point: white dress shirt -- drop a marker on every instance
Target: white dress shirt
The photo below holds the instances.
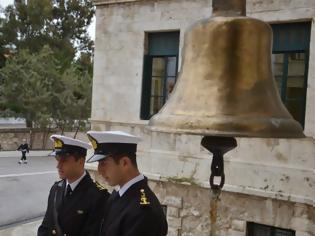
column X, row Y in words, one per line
column 131, row 182
column 74, row 184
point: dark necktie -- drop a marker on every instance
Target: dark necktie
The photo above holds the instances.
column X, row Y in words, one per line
column 69, row 191
column 115, row 195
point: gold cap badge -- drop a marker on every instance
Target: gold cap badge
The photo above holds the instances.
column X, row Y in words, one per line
column 93, row 141
column 58, row 143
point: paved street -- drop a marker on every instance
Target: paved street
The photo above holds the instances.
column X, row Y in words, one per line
column 24, row 188
column 26, row 229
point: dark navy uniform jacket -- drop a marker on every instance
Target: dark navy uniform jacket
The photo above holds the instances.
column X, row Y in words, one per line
column 79, row 214
column 137, row 212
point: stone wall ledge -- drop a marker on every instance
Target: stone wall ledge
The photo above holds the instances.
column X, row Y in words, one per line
column 227, row 188
column 112, row 123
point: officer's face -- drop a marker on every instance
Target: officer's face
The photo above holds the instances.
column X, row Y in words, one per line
column 111, row 171
column 68, row 167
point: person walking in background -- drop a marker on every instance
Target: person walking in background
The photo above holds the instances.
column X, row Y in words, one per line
column 24, row 148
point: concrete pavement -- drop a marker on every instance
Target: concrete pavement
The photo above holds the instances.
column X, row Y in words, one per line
column 32, row 153
column 25, row 229
column 24, row 190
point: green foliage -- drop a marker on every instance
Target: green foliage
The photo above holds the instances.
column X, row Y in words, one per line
column 61, row 24
column 46, row 62
column 35, row 87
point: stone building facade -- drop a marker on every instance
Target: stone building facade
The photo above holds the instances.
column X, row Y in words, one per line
column 270, row 183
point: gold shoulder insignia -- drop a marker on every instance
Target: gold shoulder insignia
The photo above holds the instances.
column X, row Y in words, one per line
column 99, row 186
column 143, row 198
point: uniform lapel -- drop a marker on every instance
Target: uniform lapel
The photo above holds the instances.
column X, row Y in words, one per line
column 83, row 185
column 116, row 205
column 77, row 192
column 60, row 193
column 114, row 208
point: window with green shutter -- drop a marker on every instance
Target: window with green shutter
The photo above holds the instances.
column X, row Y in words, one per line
column 290, row 65
column 159, row 71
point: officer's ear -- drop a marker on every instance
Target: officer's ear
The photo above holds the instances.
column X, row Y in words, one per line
column 82, row 161
column 124, row 161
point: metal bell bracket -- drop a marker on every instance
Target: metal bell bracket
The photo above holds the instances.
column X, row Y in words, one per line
column 218, row 146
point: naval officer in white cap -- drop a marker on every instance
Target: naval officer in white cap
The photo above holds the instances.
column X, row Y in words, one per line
column 75, row 202
column 133, row 210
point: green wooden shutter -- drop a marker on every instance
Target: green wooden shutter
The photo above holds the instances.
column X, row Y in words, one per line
column 163, row 44
column 146, row 88
column 291, row 37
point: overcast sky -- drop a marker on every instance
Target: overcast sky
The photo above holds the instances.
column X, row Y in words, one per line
column 4, row 3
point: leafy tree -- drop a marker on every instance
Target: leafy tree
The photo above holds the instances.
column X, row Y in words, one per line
column 28, row 84
column 36, row 88
column 61, row 24
column 74, row 105
column 46, row 62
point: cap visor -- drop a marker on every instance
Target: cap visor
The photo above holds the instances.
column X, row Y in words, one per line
column 96, row 157
column 58, row 153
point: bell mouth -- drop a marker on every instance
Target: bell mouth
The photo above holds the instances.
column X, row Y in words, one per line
column 228, row 126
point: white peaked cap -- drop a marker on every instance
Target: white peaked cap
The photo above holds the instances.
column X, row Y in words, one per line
column 99, row 138
column 70, row 141
column 114, row 137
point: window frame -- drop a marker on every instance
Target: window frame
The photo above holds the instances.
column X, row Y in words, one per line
column 273, row 230
column 288, row 46
column 148, row 75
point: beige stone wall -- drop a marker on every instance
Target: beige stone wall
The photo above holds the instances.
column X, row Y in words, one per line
column 276, row 168
column 262, row 175
column 10, row 139
column 119, row 51
column 188, row 209
column 310, row 100
column 281, row 10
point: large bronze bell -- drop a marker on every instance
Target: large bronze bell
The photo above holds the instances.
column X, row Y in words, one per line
column 226, row 86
